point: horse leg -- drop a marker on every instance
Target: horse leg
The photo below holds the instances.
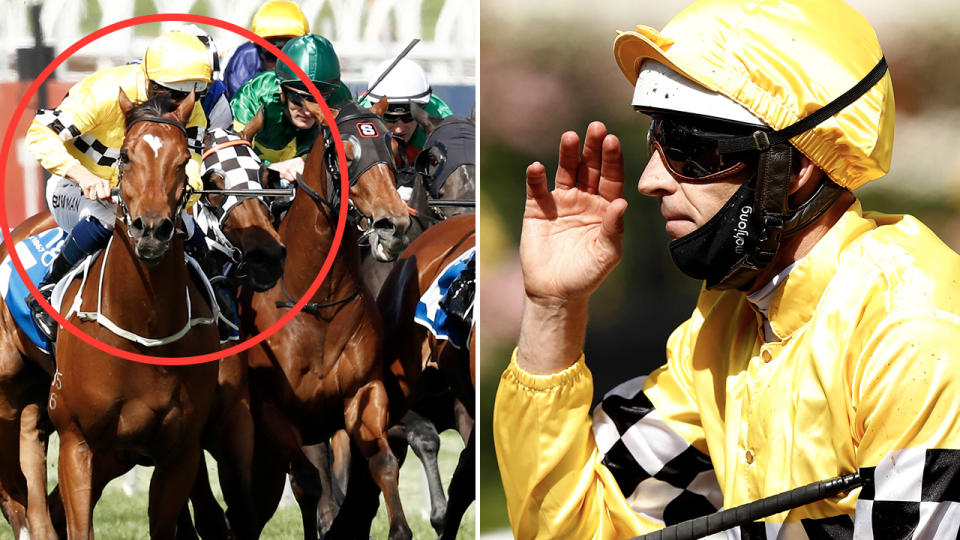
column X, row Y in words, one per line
column 208, row 520
column 304, row 477
column 13, row 489
column 234, row 455
column 423, row 438
column 169, row 489
column 366, row 418
column 340, row 446
column 462, row 489
column 76, row 484
column 33, row 462
column 321, row 455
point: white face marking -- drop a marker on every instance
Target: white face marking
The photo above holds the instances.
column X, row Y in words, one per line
column 154, row 143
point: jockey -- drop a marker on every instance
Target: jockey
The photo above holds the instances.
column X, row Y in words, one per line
column 288, row 130
column 216, row 104
column 79, row 143
column 403, row 86
column 825, row 340
column 277, row 21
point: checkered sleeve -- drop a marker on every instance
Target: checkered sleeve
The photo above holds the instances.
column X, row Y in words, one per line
column 662, row 476
column 911, row 493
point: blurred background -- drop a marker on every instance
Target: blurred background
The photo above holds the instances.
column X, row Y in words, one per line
column 548, row 67
column 364, row 33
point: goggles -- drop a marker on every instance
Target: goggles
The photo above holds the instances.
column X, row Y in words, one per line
column 399, row 112
column 690, row 151
column 266, row 56
column 176, row 94
column 297, row 97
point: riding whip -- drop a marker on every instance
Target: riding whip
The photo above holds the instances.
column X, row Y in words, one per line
column 281, row 192
column 752, row 511
column 396, row 60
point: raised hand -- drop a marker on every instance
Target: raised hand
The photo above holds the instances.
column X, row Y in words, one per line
column 571, row 240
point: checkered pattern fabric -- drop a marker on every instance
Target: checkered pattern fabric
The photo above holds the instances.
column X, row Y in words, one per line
column 662, row 476
column 195, row 135
column 60, row 122
column 100, row 153
column 239, row 164
column 911, row 493
column 240, row 168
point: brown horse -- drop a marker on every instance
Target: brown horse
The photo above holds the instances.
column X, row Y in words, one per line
column 323, row 371
column 416, row 356
column 112, row 413
column 25, row 375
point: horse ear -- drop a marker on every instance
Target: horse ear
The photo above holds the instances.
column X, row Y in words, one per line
column 380, row 107
column 185, row 108
column 315, row 110
column 253, row 126
column 427, row 122
column 125, row 104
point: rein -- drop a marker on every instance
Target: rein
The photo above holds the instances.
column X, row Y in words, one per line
column 313, row 307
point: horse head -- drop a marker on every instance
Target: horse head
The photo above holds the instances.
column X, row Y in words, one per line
column 153, row 176
column 370, row 149
column 240, row 226
column 448, row 162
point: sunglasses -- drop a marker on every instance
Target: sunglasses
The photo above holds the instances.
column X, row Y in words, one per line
column 690, row 151
column 392, row 118
column 297, row 97
column 267, row 56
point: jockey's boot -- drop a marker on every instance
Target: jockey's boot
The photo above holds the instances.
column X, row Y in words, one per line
column 86, row 238
column 228, row 324
column 43, row 320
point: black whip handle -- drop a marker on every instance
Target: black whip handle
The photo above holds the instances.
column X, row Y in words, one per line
column 752, row 511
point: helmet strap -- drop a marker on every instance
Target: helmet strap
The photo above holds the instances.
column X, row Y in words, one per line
column 777, row 219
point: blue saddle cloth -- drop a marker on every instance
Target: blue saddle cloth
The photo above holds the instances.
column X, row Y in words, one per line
column 429, row 311
column 36, row 253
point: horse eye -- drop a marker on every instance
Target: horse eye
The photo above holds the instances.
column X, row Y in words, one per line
column 124, row 158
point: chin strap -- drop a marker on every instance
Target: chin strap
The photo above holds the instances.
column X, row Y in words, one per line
column 778, row 219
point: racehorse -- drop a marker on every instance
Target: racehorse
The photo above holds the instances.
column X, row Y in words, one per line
column 414, row 352
column 112, row 413
column 25, row 375
column 447, row 163
column 323, row 371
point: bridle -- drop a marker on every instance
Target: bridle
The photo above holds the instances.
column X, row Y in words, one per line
column 118, row 193
column 364, row 130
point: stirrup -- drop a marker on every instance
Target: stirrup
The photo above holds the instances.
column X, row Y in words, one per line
column 44, row 322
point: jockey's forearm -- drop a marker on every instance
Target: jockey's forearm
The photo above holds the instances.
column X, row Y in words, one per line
column 551, row 335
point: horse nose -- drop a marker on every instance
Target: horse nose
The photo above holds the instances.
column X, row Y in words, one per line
column 386, row 227
column 160, row 229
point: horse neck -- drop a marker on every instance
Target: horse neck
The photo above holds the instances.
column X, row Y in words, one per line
column 308, row 231
column 156, row 295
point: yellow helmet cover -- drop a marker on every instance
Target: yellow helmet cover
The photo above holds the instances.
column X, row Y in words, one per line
column 782, row 60
column 177, row 57
column 279, row 18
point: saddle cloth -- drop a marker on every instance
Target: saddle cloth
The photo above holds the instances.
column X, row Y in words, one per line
column 431, row 315
column 36, row 253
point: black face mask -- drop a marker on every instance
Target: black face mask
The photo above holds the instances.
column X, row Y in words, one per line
column 712, row 251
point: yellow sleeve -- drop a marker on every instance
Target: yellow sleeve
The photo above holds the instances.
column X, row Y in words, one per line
column 555, row 483
column 906, row 386
column 51, row 128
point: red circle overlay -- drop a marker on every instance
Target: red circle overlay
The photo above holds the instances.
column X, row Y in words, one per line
column 341, row 220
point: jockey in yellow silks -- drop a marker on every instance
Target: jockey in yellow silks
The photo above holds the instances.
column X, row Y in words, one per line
column 79, row 142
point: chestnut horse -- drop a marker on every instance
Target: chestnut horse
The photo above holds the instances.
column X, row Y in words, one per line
column 414, row 353
column 323, row 371
column 112, row 413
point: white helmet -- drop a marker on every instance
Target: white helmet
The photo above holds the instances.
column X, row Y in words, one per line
column 406, row 83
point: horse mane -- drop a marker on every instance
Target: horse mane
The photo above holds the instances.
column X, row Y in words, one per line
column 158, row 105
